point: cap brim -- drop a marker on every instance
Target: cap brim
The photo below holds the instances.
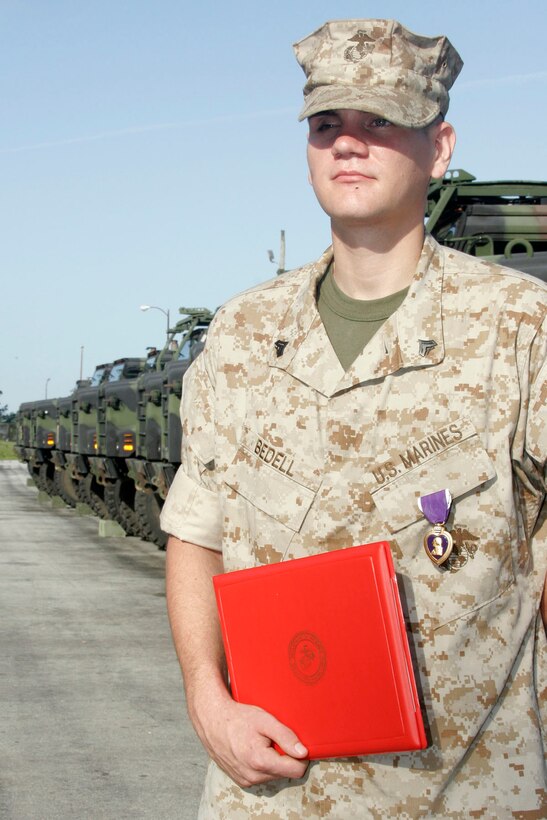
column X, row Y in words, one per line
column 408, row 110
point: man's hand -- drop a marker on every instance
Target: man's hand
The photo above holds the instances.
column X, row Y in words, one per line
column 239, row 738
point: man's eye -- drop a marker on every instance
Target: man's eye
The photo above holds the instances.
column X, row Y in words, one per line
column 326, row 126
column 380, row 122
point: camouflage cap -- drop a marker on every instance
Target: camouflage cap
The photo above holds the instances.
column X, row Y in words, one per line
column 377, row 66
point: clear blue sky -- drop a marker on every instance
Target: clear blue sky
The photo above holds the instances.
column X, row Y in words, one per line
column 150, row 153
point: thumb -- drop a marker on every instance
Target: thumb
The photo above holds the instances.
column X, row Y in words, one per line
column 285, row 741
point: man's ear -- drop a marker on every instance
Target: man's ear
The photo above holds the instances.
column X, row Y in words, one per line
column 445, row 141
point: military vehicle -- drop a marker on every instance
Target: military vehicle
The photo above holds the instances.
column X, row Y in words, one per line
column 159, row 429
column 36, row 430
column 505, row 222
column 115, row 442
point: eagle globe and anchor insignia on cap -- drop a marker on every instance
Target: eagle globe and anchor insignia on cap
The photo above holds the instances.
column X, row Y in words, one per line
column 307, row 657
column 363, row 46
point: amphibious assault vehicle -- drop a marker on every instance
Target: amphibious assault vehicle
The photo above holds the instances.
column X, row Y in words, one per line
column 115, row 442
column 505, row 222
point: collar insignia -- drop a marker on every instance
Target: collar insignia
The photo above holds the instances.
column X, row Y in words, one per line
column 280, row 347
column 425, row 345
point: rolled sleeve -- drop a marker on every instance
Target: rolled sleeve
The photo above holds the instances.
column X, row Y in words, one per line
column 192, row 513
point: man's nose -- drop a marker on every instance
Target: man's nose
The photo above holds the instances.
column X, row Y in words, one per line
column 349, row 143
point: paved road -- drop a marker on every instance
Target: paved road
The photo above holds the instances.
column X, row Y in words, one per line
column 92, row 719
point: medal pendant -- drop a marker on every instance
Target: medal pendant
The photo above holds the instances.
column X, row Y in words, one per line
column 438, row 544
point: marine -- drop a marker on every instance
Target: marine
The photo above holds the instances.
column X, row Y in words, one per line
column 405, row 403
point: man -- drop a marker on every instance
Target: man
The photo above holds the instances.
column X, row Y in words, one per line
column 389, row 370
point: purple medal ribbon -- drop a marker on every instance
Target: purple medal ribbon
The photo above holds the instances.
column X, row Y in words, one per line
column 436, row 506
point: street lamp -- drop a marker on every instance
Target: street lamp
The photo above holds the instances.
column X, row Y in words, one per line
column 47, row 382
column 155, row 307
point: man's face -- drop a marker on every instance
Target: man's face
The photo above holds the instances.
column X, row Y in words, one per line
column 365, row 171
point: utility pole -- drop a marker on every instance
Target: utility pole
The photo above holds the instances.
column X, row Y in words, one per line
column 271, row 257
column 281, row 268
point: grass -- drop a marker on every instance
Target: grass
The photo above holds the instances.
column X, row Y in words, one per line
column 6, row 450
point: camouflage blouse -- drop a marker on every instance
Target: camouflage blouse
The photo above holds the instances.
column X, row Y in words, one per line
column 285, row 454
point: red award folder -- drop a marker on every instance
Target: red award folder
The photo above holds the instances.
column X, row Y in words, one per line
column 320, row 643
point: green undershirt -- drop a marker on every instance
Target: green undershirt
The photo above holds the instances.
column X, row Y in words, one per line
column 351, row 323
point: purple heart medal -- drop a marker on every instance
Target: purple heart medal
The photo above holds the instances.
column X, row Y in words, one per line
column 438, row 541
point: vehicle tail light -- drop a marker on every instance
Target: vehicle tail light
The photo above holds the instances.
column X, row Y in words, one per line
column 128, row 443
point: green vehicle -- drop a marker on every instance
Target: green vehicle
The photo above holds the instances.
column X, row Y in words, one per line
column 82, row 428
column 118, row 438
column 505, row 222
column 114, row 443
column 158, row 424
column 107, row 444
column 36, row 438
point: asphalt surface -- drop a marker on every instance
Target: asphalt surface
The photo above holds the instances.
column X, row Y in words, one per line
column 92, row 716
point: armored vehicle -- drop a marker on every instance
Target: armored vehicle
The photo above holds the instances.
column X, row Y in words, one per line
column 36, row 431
column 505, row 222
column 159, row 428
column 114, row 443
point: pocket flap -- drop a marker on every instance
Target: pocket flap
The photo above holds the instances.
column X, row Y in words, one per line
column 269, row 483
column 460, row 469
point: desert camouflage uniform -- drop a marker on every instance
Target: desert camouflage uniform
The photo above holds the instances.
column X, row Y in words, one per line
column 287, row 455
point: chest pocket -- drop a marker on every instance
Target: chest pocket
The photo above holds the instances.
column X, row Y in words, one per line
column 267, row 502
column 461, row 468
column 477, row 521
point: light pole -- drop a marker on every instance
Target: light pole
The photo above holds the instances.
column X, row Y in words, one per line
column 47, row 382
column 155, row 307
